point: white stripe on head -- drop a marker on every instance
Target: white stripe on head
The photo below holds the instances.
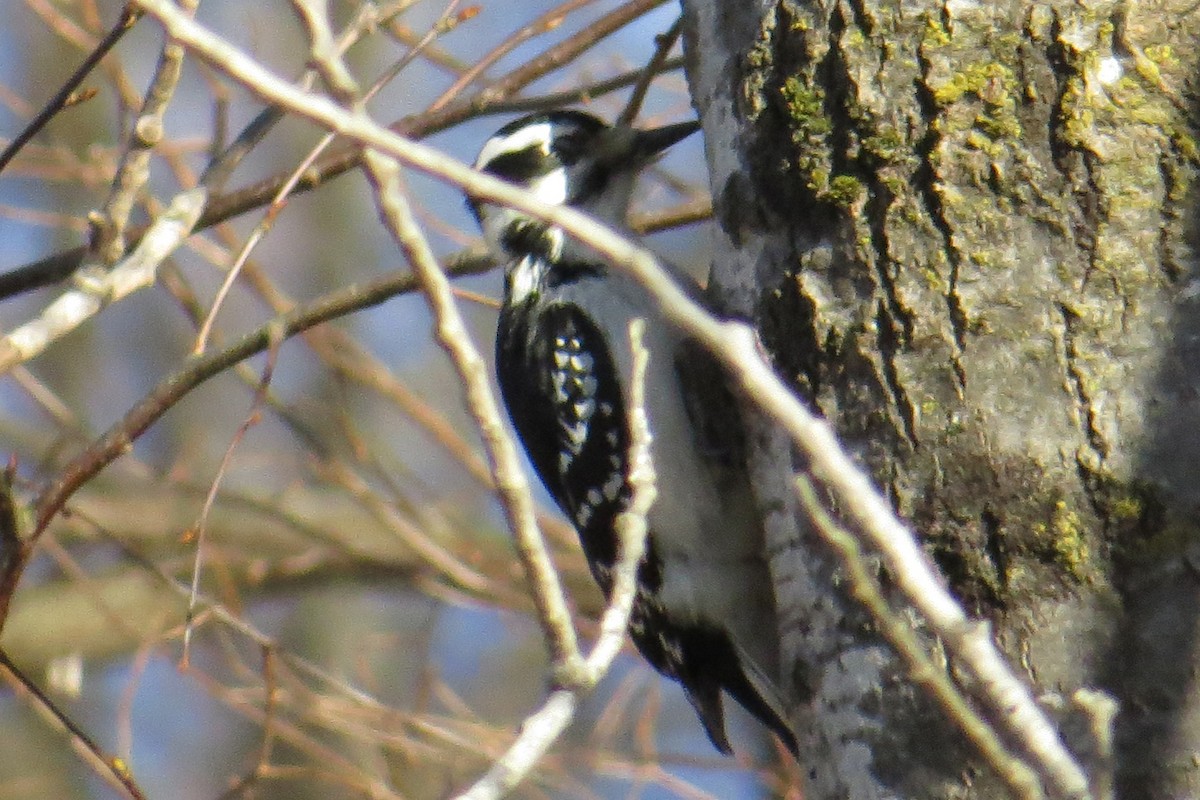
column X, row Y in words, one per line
column 539, row 135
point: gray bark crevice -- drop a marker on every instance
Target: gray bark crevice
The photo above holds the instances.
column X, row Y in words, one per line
column 964, row 231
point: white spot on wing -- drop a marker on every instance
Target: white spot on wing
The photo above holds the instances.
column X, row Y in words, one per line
column 561, row 395
column 584, row 408
column 612, row 487
column 576, row 435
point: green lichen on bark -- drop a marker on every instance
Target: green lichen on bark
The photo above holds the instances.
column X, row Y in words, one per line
column 810, row 128
column 1038, row 177
column 994, row 316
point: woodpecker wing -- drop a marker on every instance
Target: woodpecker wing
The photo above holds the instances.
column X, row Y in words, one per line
column 556, row 376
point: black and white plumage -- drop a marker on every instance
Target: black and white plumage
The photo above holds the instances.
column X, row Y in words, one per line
column 703, row 613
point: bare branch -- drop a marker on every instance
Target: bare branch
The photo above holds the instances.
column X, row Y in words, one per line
column 97, row 288
column 110, row 768
column 67, row 92
column 542, row 728
column 665, row 42
column 108, row 225
column 117, row 440
column 507, row 470
column 1021, row 780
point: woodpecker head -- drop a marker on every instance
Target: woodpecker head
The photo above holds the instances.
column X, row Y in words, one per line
column 565, row 158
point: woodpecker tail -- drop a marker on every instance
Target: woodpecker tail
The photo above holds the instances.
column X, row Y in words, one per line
column 737, row 673
column 705, row 697
column 759, row 695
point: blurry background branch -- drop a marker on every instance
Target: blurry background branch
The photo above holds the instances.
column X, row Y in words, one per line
column 359, row 598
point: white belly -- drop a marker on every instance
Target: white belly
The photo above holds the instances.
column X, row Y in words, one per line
column 710, row 544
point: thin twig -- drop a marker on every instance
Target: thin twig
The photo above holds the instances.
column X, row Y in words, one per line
column 542, row 728
column 507, row 471
column 220, row 613
column 344, row 355
column 118, row 438
column 255, row 774
column 199, row 369
column 338, row 473
column 368, row 17
column 582, row 93
column 64, row 95
column 1021, row 780
column 110, row 768
column 97, row 287
column 267, row 716
column 662, row 48
column 108, row 225
column 210, row 497
column 546, row 22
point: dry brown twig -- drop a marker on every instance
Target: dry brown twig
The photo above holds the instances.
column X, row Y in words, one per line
column 68, row 94
column 275, row 339
column 110, row 768
column 368, row 17
column 121, row 435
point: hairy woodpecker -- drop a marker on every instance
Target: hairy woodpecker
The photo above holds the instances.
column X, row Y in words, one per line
column 704, row 612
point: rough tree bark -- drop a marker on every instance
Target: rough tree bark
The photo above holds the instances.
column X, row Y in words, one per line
column 966, row 232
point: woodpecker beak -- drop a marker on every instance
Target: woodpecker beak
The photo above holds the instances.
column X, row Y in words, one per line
column 649, row 144
column 629, row 149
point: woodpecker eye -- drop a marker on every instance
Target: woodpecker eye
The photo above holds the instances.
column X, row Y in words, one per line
column 569, row 148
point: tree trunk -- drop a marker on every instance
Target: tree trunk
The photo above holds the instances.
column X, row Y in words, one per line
column 965, row 232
